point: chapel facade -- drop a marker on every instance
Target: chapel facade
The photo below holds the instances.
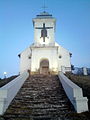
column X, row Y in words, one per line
column 44, row 56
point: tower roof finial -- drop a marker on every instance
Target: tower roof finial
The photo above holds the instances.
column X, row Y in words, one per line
column 44, row 6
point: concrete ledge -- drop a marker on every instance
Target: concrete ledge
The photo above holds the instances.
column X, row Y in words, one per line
column 9, row 91
column 74, row 93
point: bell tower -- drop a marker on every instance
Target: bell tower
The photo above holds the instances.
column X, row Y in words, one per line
column 44, row 29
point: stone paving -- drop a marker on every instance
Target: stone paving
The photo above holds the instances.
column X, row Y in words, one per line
column 40, row 98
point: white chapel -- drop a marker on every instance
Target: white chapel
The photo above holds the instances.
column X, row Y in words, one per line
column 44, row 56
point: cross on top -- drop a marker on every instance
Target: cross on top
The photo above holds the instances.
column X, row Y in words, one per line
column 44, row 6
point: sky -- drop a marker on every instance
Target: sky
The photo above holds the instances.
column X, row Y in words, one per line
column 16, row 29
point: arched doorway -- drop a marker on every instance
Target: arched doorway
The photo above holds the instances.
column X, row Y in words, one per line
column 44, row 67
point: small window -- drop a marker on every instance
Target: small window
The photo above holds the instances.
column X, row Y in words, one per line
column 29, row 57
column 60, row 56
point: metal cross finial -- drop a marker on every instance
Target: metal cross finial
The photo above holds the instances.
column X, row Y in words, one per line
column 44, row 6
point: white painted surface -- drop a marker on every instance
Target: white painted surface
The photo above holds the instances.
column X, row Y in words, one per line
column 39, row 54
column 74, row 94
column 9, row 91
column 65, row 58
column 49, row 22
column 85, row 71
column 25, row 61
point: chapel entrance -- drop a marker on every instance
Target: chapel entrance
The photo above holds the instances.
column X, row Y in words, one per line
column 44, row 67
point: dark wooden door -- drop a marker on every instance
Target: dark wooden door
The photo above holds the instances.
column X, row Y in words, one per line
column 45, row 70
column 44, row 67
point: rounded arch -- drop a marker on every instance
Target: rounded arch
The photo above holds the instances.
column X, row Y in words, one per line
column 44, row 66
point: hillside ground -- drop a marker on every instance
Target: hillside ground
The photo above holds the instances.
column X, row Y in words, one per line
column 6, row 80
column 83, row 82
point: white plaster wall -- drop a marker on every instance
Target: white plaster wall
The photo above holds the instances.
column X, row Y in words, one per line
column 65, row 58
column 44, row 52
column 9, row 91
column 50, row 32
column 25, row 62
column 49, row 53
column 74, row 93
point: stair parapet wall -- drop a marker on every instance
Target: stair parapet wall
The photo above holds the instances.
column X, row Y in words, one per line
column 9, row 91
column 74, row 93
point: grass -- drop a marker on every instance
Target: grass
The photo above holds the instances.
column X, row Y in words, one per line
column 83, row 82
column 6, row 80
column 77, row 116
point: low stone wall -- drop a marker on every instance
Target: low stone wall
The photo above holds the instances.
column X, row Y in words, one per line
column 74, row 93
column 9, row 91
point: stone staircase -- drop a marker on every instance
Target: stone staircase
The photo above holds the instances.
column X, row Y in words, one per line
column 40, row 98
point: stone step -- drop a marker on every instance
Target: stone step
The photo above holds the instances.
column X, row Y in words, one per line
column 35, row 117
column 42, row 106
column 42, row 102
column 41, row 97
